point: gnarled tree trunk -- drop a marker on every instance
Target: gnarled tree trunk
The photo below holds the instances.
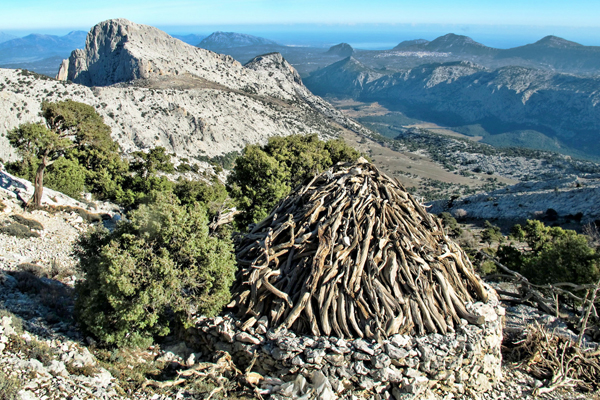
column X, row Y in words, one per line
column 38, row 183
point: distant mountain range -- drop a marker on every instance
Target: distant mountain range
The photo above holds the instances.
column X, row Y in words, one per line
column 39, row 53
column 226, row 40
column 36, row 47
column 509, row 99
column 550, row 52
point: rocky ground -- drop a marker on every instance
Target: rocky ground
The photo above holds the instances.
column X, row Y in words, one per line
column 43, row 355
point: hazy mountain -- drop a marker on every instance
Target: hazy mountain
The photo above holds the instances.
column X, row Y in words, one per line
column 341, row 50
column 192, row 38
column 4, row 37
column 551, row 52
column 450, row 43
column 154, row 90
column 560, row 106
column 225, row 40
column 36, row 47
column 557, row 53
column 410, row 43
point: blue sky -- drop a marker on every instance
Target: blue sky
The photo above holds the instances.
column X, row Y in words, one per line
column 576, row 19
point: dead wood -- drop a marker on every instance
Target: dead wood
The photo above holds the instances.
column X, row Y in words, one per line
column 556, row 360
column 352, row 254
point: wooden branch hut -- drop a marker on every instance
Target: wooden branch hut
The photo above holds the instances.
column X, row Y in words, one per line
column 353, row 254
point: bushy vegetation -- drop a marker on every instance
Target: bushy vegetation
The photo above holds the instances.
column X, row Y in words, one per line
column 18, row 230
column 451, row 224
column 74, row 147
column 552, row 255
column 152, row 274
column 491, row 233
column 264, row 175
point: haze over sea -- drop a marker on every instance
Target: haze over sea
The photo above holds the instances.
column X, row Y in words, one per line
column 374, row 24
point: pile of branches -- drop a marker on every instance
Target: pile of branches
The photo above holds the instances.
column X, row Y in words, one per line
column 352, row 254
column 558, row 361
column 553, row 298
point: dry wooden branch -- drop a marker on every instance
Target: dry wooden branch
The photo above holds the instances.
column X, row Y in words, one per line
column 532, row 293
column 557, row 360
column 352, row 254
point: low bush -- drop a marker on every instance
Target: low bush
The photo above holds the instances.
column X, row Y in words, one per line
column 30, row 223
column 34, row 269
column 18, row 230
column 9, row 387
column 150, row 275
column 552, row 255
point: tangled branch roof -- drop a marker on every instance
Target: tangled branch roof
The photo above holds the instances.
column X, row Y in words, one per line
column 352, row 254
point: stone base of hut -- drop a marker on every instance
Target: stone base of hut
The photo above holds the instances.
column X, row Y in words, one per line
column 465, row 361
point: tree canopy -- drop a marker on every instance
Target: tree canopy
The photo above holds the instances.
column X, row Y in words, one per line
column 152, row 273
column 76, row 132
column 264, row 175
column 552, row 255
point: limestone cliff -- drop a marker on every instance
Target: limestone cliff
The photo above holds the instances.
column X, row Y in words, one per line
column 154, row 90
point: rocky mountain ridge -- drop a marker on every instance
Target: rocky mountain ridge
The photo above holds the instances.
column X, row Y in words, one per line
column 154, row 90
column 567, row 196
column 561, row 106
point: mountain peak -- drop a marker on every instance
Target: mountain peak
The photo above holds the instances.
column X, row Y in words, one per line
column 556, row 42
column 452, row 38
column 410, row 43
column 226, row 40
column 342, row 50
column 458, row 44
column 274, row 63
column 119, row 50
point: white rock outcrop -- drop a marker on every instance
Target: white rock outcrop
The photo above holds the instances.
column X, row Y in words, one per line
column 567, row 196
column 154, row 90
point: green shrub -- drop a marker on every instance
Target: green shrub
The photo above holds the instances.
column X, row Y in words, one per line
column 212, row 195
column 18, row 230
column 152, row 273
column 491, row 233
column 264, row 175
column 9, row 387
column 30, row 223
column 66, row 176
column 552, row 255
column 488, row 267
column 450, row 223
